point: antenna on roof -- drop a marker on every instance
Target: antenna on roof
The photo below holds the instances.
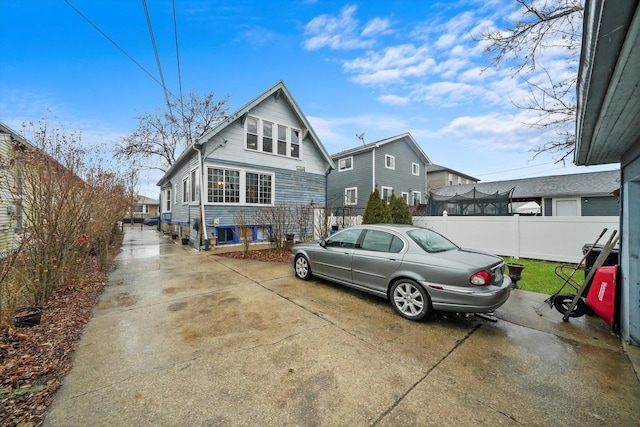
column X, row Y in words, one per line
column 360, row 137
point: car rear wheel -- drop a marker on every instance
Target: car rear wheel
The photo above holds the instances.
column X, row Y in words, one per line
column 302, row 268
column 410, row 300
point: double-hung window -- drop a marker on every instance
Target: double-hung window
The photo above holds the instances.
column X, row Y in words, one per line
column 185, row 190
column 252, row 133
column 415, row 169
column 389, row 161
column 273, row 138
column 345, row 164
column 195, row 188
column 282, row 140
column 295, row 143
column 167, row 200
column 417, row 198
column 351, row 196
column 386, row 194
column 267, row 136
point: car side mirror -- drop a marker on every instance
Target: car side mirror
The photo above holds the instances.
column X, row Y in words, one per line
column 323, row 243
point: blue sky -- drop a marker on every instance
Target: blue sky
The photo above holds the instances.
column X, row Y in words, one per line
column 378, row 67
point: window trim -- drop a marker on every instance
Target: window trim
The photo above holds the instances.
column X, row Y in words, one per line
column 405, row 197
column 355, row 196
column 419, row 194
column 393, row 161
column 340, row 168
column 382, row 190
column 242, row 183
column 289, row 132
column 194, row 187
column 167, row 199
column 415, row 169
column 185, row 190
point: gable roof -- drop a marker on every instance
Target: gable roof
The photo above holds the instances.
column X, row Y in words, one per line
column 280, row 90
column 545, row 186
column 369, row 147
column 15, row 136
column 438, row 168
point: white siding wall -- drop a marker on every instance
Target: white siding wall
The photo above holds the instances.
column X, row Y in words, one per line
column 234, row 150
column 7, row 223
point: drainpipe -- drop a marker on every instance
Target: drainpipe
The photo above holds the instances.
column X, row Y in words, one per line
column 203, row 222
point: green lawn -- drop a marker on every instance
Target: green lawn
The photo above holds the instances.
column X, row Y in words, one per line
column 539, row 276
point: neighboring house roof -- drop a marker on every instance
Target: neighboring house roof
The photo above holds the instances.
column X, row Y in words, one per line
column 280, row 90
column 590, row 183
column 608, row 91
column 15, row 135
column 143, row 200
column 368, row 147
column 438, row 168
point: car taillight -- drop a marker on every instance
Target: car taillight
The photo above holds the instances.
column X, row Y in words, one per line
column 481, row 278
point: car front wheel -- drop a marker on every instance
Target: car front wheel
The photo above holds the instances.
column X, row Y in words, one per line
column 410, row 300
column 302, row 268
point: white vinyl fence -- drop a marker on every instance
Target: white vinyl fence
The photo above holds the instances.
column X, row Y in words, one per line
column 551, row 238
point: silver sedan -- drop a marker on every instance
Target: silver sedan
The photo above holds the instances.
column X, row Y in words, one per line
column 415, row 268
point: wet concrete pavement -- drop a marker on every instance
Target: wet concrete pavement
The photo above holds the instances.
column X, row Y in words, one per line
column 186, row 338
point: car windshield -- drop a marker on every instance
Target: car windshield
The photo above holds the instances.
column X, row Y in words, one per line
column 431, row 241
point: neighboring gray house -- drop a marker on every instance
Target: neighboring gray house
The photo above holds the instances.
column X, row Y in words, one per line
column 441, row 176
column 584, row 194
column 608, row 131
column 395, row 164
column 262, row 156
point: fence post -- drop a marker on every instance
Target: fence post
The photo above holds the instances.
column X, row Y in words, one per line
column 516, row 236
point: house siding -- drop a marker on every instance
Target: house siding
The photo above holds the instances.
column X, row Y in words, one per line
column 369, row 170
column 400, row 178
column 358, row 177
column 296, row 180
column 600, row 206
column 7, row 239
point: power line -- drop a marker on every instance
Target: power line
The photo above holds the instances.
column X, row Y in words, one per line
column 155, row 51
column 516, row 169
column 175, row 33
column 117, row 46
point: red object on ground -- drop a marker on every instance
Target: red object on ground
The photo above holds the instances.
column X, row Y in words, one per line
column 602, row 294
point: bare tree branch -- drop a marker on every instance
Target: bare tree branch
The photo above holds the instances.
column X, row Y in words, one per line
column 160, row 137
column 544, row 31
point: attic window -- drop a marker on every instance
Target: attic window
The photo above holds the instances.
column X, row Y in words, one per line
column 389, row 161
column 252, row 133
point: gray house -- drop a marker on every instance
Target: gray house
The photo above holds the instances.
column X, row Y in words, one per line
column 263, row 156
column 395, row 164
column 607, row 129
column 584, row 194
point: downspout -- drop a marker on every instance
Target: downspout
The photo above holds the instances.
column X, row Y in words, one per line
column 203, row 222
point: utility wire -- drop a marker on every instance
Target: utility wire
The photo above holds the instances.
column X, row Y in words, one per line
column 117, row 46
column 155, row 51
column 175, row 33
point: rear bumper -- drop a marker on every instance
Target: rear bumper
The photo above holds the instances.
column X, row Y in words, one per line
column 469, row 300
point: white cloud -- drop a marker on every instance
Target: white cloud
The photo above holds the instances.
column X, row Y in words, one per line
column 393, row 100
column 341, row 32
column 391, row 65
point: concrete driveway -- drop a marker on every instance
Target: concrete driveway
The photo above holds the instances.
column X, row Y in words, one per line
column 187, row 338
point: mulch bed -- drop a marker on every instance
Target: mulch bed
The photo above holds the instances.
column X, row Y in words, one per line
column 269, row 255
column 34, row 360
